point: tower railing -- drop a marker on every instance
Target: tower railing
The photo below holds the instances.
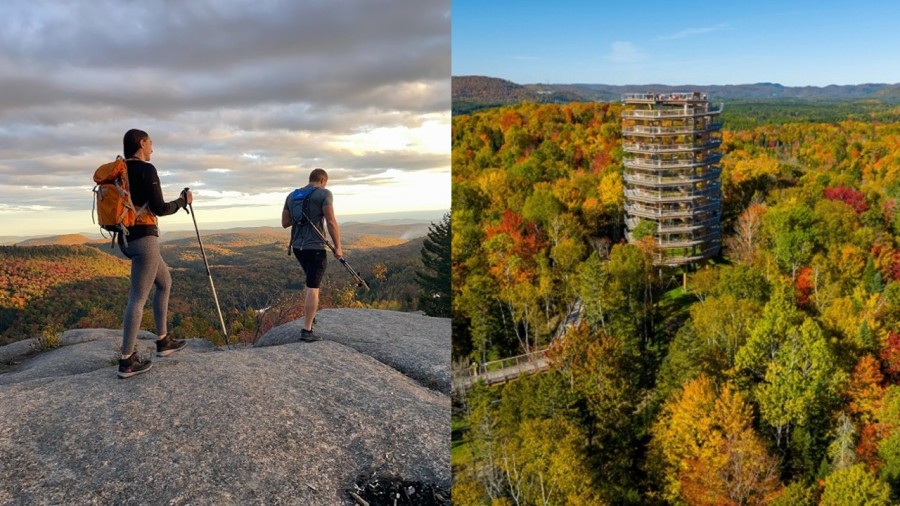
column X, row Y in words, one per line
column 673, row 179
column 636, row 194
column 672, row 130
column 646, row 147
column 679, row 96
column 657, row 213
column 653, row 163
column 710, row 223
column 672, row 113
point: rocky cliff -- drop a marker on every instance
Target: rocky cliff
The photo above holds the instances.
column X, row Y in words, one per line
column 284, row 422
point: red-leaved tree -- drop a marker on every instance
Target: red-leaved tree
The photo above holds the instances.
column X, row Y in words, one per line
column 854, row 198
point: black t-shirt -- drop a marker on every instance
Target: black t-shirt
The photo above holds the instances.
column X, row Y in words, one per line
column 145, row 188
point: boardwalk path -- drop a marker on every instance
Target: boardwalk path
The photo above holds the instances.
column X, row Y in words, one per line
column 507, row 369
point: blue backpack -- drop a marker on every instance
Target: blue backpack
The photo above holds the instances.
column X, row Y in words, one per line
column 299, row 205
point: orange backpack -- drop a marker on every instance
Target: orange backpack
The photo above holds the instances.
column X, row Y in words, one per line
column 115, row 211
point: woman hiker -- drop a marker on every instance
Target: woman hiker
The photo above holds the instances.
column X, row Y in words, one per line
column 142, row 247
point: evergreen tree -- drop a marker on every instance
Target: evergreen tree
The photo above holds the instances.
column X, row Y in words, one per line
column 872, row 278
column 434, row 280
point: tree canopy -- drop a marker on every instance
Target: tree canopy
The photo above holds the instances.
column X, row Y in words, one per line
column 768, row 375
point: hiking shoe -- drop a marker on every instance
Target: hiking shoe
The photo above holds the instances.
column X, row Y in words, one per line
column 167, row 346
column 133, row 365
column 309, row 336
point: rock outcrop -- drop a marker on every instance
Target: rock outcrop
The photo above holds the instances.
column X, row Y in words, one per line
column 296, row 423
column 415, row 345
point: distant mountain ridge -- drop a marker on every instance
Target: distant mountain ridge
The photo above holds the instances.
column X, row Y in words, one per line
column 384, row 233
column 469, row 93
column 63, row 240
column 474, row 92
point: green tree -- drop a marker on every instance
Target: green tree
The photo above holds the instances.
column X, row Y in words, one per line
column 801, row 386
column 605, row 380
column 541, row 206
column 743, row 282
column 838, row 221
column 799, row 379
column 780, row 320
column 545, row 464
column 645, row 228
column 483, row 443
column 872, row 278
column 434, row 279
column 619, row 295
column 888, row 444
column 793, row 233
column 889, row 451
column 795, row 494
column 477, row 298
column 682, row 362
column 855, row 486
column 723, row 325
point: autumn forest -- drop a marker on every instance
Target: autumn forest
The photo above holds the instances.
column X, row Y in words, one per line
column 51, row 288
column 768, row 375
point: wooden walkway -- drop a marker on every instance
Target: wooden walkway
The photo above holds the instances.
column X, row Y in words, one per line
column 500, row 371
column 507, row 369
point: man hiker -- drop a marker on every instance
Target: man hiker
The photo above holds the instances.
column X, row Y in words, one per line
column 142, row 247
column 307, row 243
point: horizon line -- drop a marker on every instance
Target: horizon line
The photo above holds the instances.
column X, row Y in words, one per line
column 7, row 240
column 680, row 84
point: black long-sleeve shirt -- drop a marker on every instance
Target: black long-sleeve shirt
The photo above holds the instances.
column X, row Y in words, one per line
column 144, row 184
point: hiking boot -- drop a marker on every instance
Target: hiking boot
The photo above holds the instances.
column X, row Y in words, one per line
column 309, row 336
column 133, row 365
column 167, row 346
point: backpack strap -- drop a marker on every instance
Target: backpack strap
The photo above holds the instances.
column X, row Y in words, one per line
column 144, row 209
column 94, row 204
column 297, row 193
column 293, row 223
column 123, row 234
column 308, row 196
column 291, row 241
column 295, row 226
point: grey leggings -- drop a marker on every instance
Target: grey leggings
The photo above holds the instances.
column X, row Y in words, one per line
column 147, row 268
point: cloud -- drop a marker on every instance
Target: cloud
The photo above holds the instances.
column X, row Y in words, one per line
column 358, row 87
column 625, row 52
column 690, row 32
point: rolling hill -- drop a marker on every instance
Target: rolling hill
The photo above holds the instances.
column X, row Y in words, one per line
column 62, row 240
column 353, row 234
column 85, row 285
column 471, row 93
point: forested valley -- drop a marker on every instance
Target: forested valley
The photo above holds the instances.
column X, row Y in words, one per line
column 52, row 288
column 769, row 375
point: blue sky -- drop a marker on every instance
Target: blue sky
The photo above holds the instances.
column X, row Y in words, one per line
column 794, row 43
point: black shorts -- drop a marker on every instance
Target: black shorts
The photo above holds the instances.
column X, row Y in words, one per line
column 313, row 262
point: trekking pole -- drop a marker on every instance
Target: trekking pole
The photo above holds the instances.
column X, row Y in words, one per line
column 359, row 280
column 208, row 272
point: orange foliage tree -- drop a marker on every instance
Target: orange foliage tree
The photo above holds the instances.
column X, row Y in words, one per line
column 707, row 450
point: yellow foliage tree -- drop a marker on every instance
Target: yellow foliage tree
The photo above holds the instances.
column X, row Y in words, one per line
column 708, row 451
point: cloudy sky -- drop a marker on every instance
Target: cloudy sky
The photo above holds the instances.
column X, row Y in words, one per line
column 242, row 99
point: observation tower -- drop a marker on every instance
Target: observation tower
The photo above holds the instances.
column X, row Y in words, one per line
column 671, row 176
